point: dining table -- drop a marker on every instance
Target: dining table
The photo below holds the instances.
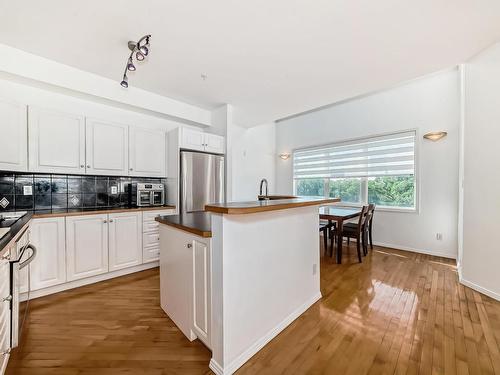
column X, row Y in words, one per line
column 339, row 215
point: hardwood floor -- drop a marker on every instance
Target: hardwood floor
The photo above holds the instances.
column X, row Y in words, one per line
column 396, row 313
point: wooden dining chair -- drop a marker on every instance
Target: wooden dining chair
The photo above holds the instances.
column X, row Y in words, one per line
column 325, row 226
column 371, row 209
column 355, row 231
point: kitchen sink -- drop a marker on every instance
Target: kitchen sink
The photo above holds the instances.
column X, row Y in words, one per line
column 274, row 197
column 9, row 219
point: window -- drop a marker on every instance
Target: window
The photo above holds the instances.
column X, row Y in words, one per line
column 378, row 170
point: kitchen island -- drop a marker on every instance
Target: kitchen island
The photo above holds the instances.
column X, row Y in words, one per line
column 239, row 283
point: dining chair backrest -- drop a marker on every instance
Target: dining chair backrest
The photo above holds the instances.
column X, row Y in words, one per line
column 362, row 217
column 369, row 215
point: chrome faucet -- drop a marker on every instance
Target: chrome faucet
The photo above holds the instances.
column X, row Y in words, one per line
column 262, row 183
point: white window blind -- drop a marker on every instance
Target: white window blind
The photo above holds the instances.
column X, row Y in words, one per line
column 388, row 155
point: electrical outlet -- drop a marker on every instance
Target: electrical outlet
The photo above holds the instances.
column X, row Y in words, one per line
column 114, row 190
column 28, row 190
column 439, row 236
column 315, row 268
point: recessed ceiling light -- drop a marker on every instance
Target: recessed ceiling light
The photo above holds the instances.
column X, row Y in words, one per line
column 203, row 76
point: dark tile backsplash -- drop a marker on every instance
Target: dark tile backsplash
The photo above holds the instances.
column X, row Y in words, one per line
column 61, row 192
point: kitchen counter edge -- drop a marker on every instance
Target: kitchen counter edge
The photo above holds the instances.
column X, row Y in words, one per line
column 196, row 223
column 238, row 208
column 100, row 211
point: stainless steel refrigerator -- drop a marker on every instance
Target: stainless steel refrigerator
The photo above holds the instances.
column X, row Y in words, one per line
column 202, row 180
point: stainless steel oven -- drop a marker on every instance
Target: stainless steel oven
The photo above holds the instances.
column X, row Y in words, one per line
column 144, row 194
column 22, row 254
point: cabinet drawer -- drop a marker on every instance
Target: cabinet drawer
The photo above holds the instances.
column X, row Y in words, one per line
column 151, row 239
column 151, row 254
column 150, row 226
column 148, row 216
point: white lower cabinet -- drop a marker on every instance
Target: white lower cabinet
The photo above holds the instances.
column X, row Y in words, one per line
column 125, row 240
column 86, row 246
column 4, row 313
column 49, row 266
column 185, row 282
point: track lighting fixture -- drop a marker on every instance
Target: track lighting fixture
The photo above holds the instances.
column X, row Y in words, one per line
column 141, row 50
column 124, row 81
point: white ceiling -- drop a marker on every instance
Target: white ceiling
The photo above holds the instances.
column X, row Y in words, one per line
column 268, row 58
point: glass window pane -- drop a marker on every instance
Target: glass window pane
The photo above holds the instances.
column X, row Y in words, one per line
column 310, row 187
column 347, row 189
column 392, row 191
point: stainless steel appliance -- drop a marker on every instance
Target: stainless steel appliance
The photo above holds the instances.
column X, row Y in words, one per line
column 144, row 194
column 201, row 180
column 21, row 255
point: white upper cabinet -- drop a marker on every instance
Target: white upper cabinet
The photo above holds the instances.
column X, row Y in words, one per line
column 192, row 139
column 56, row 141
column 196, row 140
column 49, row 266
column 214, row 143
column 13, row 136
column 86, row 246
column 107, row 148
column 125, row 240
column 147, row 152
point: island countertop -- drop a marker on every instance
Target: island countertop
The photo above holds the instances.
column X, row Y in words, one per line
column 195, row 222
column 267, row 205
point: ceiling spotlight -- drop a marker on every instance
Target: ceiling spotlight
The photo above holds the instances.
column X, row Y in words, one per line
column 139, row 56
column 141, row 51
column 130, row 65
column 144, row 50
column 124, row 82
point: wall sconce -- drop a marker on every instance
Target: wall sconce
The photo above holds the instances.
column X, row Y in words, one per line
column 435, row 136
column 284, row 156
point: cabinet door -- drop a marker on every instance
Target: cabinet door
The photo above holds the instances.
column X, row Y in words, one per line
column 214, row 143
column 201, row 290
column 125, row 240
column 106, row 148
column 147, row 152
column 192, row 139
column 13, row 136
column 56, row 141
column 4, row 311
column 49, row 266
column 86, row 246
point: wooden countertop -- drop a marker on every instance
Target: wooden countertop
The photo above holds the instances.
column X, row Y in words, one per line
column 196, row 222
column 233, row 208
column 96, row 211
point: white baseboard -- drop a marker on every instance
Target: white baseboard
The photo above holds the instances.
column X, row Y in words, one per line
column 215, row 367
column 87, row 281
column 260, row 343
column 478, row 288
column 421, row 251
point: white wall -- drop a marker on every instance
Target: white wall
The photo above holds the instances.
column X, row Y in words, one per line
column 481, row 256
column 253, row 153
column 427, row 104
column 17, row 64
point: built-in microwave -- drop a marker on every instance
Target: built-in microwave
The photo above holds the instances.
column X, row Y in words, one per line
column 144, row 194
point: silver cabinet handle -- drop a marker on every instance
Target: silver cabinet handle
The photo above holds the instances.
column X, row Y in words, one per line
column 104, row 221
column 131, row 169
column 189, row 245
column 88, row 166
column 5, row 257
column 82, row 166
column 8, row 298
column 110, row 220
